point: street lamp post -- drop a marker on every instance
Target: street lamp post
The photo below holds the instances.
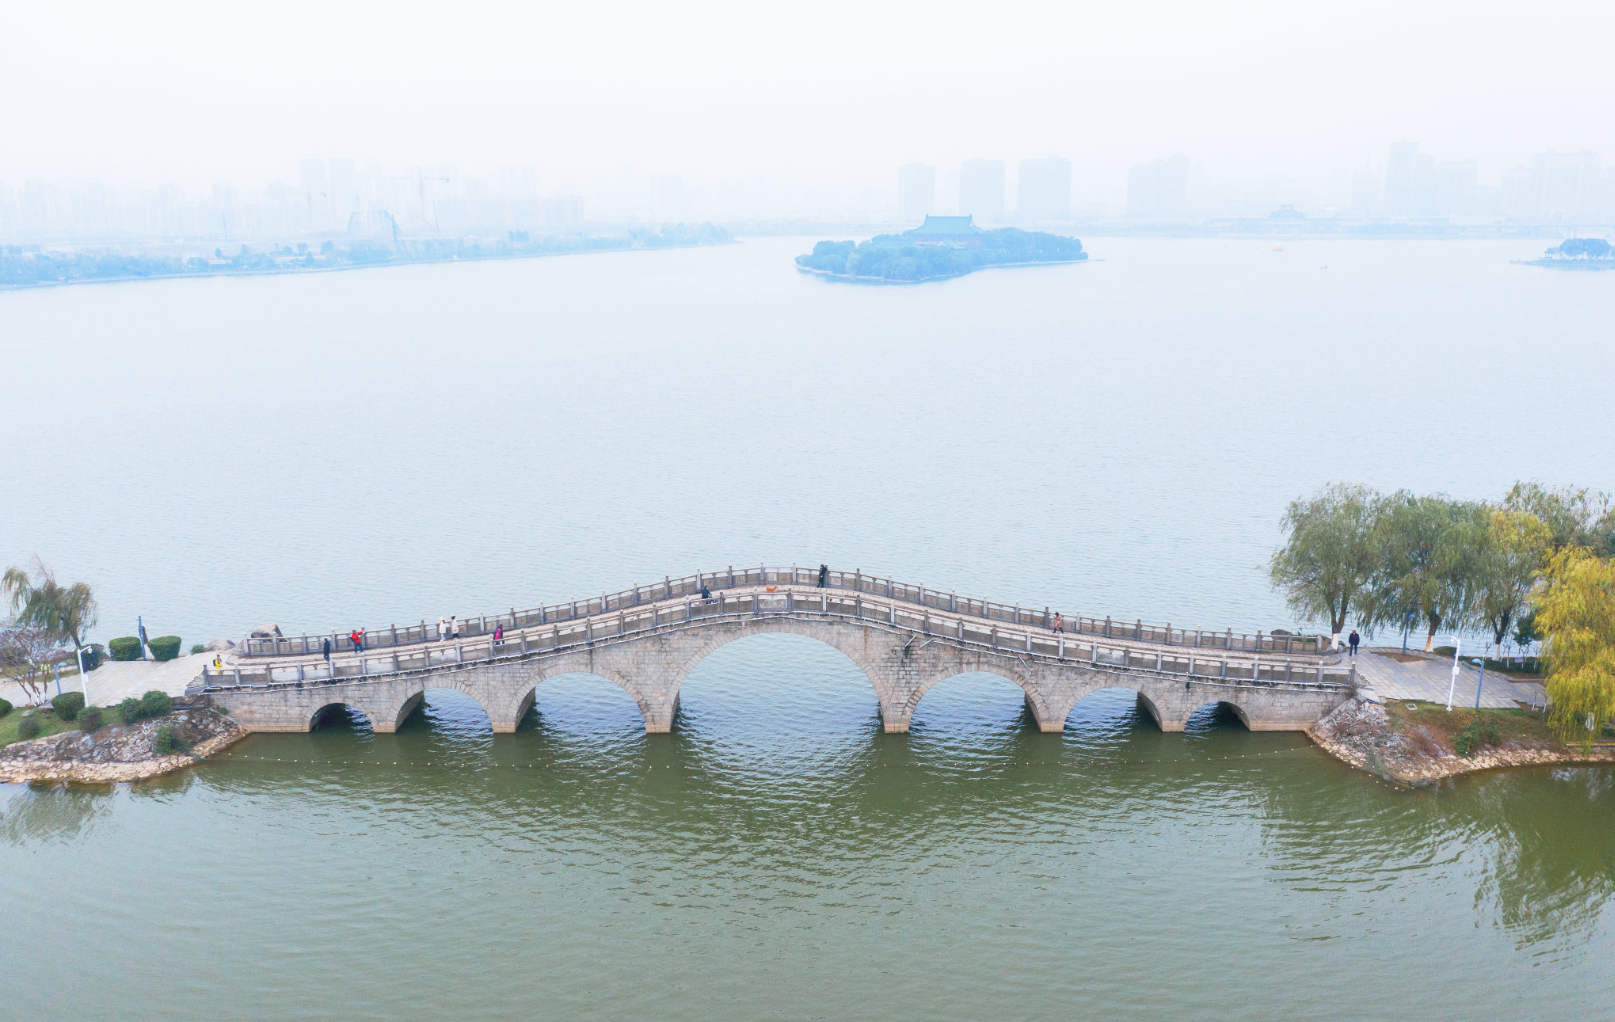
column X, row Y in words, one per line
column 84, row 676
column 1453, row 684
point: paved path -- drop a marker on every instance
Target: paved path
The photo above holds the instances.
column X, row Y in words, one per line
column 1415, row 675
column 116, row 680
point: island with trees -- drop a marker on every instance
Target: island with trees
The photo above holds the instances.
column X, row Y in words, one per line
column 940, row 248
column 1578, row 254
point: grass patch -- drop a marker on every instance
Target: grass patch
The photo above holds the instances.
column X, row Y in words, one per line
column 1432, row 730
column 49, row 724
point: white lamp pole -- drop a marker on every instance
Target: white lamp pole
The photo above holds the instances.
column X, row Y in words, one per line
column 1458, row 644
column 84, row 676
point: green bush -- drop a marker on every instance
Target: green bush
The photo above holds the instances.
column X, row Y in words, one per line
column 93, row 655
column 129, row 710
column 197, row 647
column 1474, row 734
column 27, row 728
column 164, row 647
column 68, row 704
column 5, row 707
column 1445, row 651
column 125, row 647
column 91, row 719
column 169, row 741
column 156, row 704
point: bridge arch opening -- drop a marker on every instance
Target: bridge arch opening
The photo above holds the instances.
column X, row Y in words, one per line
column 579, row 704
column 1216, row 716
column 1111, row 714
column 444, row 711
column 340, row 717
column 778, row 689
column 972, row 704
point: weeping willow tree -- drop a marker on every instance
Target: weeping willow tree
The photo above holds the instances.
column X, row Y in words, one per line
column 65, row 612
column 1576, row 614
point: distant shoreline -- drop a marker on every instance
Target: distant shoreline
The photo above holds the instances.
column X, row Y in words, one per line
column 1568, row 264
column 848, row 278
column 380, row 265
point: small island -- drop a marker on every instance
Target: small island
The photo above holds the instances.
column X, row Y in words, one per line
column 940, row 248
column 1578, row 254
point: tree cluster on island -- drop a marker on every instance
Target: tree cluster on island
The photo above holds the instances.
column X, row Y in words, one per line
column 899, row 258
column 1538, row 565
column 1580, row 250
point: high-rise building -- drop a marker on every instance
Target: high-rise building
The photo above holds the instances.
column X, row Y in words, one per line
column 1044, row 189
column 981, row 190
column 916, row 191
column 1159, row 189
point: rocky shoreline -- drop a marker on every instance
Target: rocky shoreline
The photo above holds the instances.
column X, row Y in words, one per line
column 1360, row 734
column 119, row 752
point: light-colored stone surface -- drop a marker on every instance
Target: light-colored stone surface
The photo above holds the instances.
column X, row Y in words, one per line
column 902, row 651
column 1427, row 677
column 116, row 680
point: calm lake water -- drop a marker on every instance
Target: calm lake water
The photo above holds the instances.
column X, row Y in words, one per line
column 1121, row 437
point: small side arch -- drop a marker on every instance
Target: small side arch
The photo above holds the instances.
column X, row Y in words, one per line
column 330, row 713
column 1047, row 716
column 516, row 708
column 1230, row 708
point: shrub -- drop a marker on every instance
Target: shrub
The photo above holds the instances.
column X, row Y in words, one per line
column 1445, row 651
column 125, row 647
column 68, row 704
column 1474, row 734
column 27, row 728
column 91, row 719
column 129, row 710
column 169, row 741
column 164, row 647
column 197, row 647
column 92, row 655
column 156, row 704
column 5, row 707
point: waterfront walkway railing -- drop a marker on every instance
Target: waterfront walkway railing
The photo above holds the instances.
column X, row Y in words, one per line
column 983, row 632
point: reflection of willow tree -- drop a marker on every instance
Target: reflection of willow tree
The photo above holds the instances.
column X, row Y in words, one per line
column 1535, row 843
column 1552, row 862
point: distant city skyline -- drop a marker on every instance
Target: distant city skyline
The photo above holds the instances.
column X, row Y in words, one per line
column 1551, row 187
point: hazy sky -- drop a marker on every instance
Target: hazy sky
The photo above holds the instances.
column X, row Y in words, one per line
column 802, row 95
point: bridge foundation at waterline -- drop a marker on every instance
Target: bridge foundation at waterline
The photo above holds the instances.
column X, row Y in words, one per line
column 901, row 663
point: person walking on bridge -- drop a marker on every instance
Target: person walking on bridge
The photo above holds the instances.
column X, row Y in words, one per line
column 1354, row 639
column 325, row 648
column 442, row 629
column 1059, row 621
column 357, row 635
column 454, row 626
column 498, row 634
column 824, row 575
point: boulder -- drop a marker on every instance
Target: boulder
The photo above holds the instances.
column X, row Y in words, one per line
column 266, row 632
column 220, row 646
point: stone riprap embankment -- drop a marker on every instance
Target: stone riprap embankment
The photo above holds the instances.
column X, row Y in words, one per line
column 1362, row 734
column 119, row 752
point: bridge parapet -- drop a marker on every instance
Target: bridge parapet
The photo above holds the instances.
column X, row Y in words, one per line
column 762, row 577
column 1026, row 643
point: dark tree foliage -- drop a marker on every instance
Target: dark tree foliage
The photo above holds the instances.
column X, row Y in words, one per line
column 896, row 257
column 1582, row 248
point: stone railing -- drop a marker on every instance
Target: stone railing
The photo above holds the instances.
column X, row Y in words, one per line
column 761, row 577
column 991, row 634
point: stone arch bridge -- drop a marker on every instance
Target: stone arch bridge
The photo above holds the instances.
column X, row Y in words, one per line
column 905, row 638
